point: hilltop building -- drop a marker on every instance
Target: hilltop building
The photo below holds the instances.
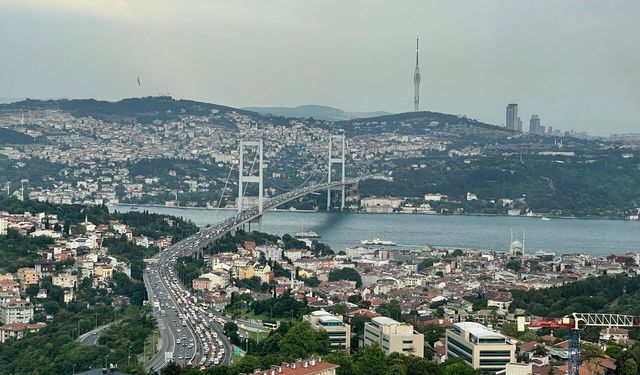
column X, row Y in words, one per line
column 512, row 116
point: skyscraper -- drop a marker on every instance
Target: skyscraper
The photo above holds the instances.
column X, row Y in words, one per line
column 534, row 125
column 416, row 82
column 512, row 116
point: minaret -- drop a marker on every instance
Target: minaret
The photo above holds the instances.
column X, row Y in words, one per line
column 416, row 81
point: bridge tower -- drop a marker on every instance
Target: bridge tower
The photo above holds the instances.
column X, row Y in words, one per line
column 251, row 177
column 339, row 143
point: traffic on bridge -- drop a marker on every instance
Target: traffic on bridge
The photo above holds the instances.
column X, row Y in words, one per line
column 190, row 334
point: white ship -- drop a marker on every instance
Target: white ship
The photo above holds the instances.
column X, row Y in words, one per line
column 308, row 234
column 378, row 242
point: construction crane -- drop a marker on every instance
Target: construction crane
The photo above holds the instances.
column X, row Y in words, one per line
column 575, row 323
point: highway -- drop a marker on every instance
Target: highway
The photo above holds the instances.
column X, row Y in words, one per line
column 189, row 333
column 91, row 337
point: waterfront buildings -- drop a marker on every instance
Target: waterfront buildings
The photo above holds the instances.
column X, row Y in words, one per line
column 394, row 337
column 339, row 332
column 479, row 346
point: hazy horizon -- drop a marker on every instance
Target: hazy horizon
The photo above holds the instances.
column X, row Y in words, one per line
column 574, row 63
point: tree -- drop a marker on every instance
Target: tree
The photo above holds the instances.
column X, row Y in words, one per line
column 339, row 308
column 347, row 273
column 432, row 332
column 231, row 331
column 456, row 367
column 301, row 341
column 371, row 361
column 515, row 265
column 391, row 309
column 630, row 367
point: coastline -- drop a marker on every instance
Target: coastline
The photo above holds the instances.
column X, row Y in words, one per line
column 537, row 216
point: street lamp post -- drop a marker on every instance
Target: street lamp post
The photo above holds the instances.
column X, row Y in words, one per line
column 106, row 361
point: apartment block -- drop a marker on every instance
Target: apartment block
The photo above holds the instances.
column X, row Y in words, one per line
column 339, row 332
column 394, row 337
column 479, row 346
column 16, row 311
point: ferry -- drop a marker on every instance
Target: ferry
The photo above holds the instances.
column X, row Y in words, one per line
column 378, row 242
column 308, row 234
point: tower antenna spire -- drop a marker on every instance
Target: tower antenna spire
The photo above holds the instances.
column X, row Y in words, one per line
column 416, row 79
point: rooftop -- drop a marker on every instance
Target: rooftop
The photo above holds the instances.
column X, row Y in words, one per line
column 383, row 320
column 478, row 330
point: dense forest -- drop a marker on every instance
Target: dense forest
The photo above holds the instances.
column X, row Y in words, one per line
column 611, row 294
column 8, row 136
column 565, row 186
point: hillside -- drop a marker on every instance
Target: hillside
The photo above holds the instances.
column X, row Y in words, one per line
column 142, row 110
column 417, row 123
column 8, row 136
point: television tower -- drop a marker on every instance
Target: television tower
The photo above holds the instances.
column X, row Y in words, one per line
column 416, row 81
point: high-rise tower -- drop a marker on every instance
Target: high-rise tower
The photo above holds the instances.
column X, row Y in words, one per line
column 512, row 116
column 416, row 81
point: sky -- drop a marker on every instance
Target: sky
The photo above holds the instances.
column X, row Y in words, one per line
column 575, row 63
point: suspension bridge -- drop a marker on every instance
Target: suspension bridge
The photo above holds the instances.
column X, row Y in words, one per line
column 165, row 262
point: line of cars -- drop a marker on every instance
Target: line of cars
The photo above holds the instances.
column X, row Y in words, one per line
column 192, row 316
column 189, row 314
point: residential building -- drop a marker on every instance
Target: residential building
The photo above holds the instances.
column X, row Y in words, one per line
column 512, row 116
column 313, row 366
column 16, row 311
column 263, row 272
column 3, row 226
column 394, row 337
column 27, row 276
column 615, row 334
column 201, row 283
column 479, row 346
column 17, row 330
column 338, row 331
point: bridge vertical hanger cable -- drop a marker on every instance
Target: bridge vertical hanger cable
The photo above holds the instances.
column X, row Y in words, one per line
column 244, row 191
column 226, row 182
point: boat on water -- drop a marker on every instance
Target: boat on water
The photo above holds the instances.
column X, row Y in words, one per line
column 134, row 208
column 545, row 218
column 378, row 242
column 307, row 234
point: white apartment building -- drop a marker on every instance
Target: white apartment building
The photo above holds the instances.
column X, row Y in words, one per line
column 4, row 224
column 394, row 337
column 338, row 331
column 479, row 346
column 16, row 311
